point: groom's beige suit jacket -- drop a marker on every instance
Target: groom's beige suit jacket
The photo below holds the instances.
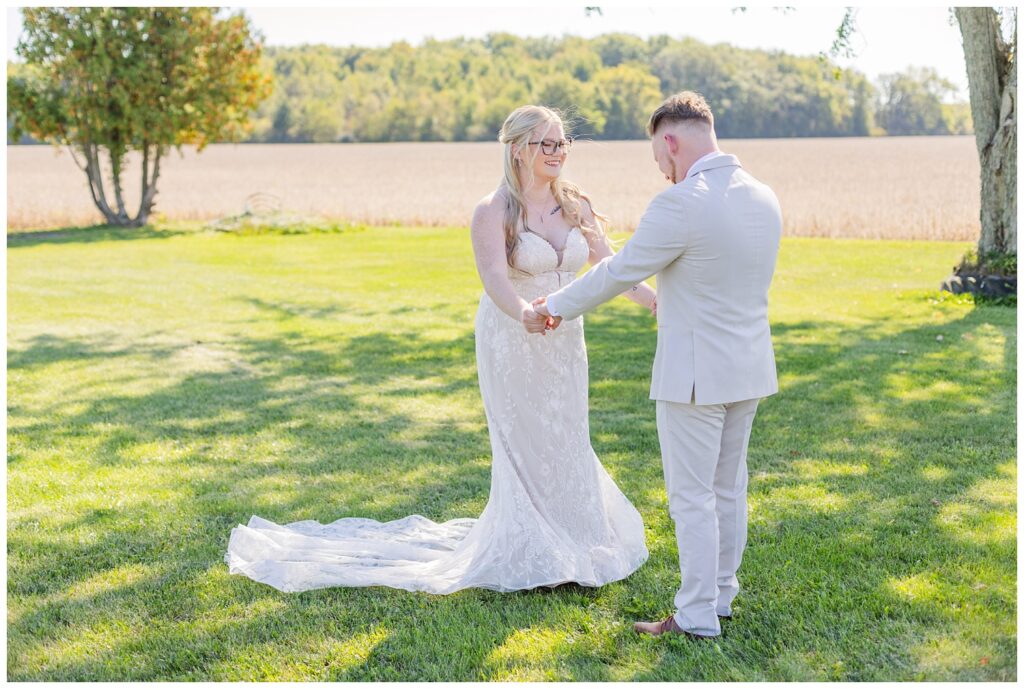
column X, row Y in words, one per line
column 712, row 239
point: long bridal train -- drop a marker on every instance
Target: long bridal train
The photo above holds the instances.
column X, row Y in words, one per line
column 554, row 515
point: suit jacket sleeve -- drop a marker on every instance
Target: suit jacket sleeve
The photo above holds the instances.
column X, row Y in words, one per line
column 659, row 239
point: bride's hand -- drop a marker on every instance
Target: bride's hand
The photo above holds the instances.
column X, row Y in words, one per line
column 533, row 321
column 540, row 305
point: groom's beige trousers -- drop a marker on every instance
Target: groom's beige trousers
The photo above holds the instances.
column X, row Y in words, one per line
column 704, row 453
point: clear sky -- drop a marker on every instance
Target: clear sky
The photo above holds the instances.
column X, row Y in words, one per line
column 888, row 38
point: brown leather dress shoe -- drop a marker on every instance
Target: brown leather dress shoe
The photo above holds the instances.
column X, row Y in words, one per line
column 667, row 625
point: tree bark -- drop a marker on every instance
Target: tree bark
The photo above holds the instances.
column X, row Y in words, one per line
column 992, row 80
column 148, row 198
column 115, row 179
column 95, row 174
column 145, row 180
column 151, row 155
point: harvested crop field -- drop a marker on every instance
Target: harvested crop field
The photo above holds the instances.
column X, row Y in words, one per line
column 884, row 187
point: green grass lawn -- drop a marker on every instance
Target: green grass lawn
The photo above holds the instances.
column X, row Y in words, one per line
column 163, row 386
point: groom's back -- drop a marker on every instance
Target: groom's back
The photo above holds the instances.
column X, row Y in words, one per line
column 719, row 285
column 735, row 225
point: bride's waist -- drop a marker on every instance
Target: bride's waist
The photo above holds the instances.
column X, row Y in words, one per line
column 522, row 277
column 541, row 284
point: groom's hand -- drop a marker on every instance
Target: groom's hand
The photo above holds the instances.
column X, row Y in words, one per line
column 540, row 306
column 533, row 321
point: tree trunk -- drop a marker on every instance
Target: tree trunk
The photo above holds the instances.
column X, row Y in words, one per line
column 145, row 181
column 148, row 197
column 90, row 152
column 992, row 80
column 151, row 156
column 116, row 162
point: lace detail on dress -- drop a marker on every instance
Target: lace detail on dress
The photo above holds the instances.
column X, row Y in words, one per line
column 553, row 515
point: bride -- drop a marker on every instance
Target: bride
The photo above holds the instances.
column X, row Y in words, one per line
column 554, row 515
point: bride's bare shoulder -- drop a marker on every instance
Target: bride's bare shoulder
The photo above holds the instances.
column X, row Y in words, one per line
column 491, row 208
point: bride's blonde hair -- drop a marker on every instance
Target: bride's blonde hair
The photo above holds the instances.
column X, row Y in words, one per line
column 516, row 131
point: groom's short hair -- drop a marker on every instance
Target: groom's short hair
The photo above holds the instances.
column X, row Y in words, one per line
column 686, row 106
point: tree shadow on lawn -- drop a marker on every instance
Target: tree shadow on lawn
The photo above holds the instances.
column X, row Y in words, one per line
column 838, row 518
column 869, row 514
column 88, row 234
column 341, row 454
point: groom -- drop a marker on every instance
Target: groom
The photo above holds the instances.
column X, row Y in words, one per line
column 712, row 239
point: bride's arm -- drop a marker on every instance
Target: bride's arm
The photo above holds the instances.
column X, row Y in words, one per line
column 600, row 248
column 488, row 237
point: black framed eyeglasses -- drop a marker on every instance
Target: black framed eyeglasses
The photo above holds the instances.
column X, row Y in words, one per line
column 550, row 148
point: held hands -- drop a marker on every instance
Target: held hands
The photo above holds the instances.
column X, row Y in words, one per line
column 533, row 321
column 536, row 318
column 540, row 306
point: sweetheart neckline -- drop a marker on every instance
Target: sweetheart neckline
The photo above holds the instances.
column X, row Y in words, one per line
column 560, row 253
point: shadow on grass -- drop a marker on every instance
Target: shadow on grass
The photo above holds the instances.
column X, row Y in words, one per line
column 88, row 234
column 842, row 514
column 856, row 468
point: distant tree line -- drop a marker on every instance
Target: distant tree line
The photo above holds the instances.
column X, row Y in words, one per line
column 462, row 90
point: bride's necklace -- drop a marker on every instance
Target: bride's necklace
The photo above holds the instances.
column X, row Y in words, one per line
column 542, row 215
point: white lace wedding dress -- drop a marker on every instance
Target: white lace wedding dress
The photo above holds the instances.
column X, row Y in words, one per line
column 554, row 515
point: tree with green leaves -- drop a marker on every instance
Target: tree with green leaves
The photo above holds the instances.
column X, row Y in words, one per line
column 626, row 94
column 108, row 82
column 463, row 89
column 911, row 102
